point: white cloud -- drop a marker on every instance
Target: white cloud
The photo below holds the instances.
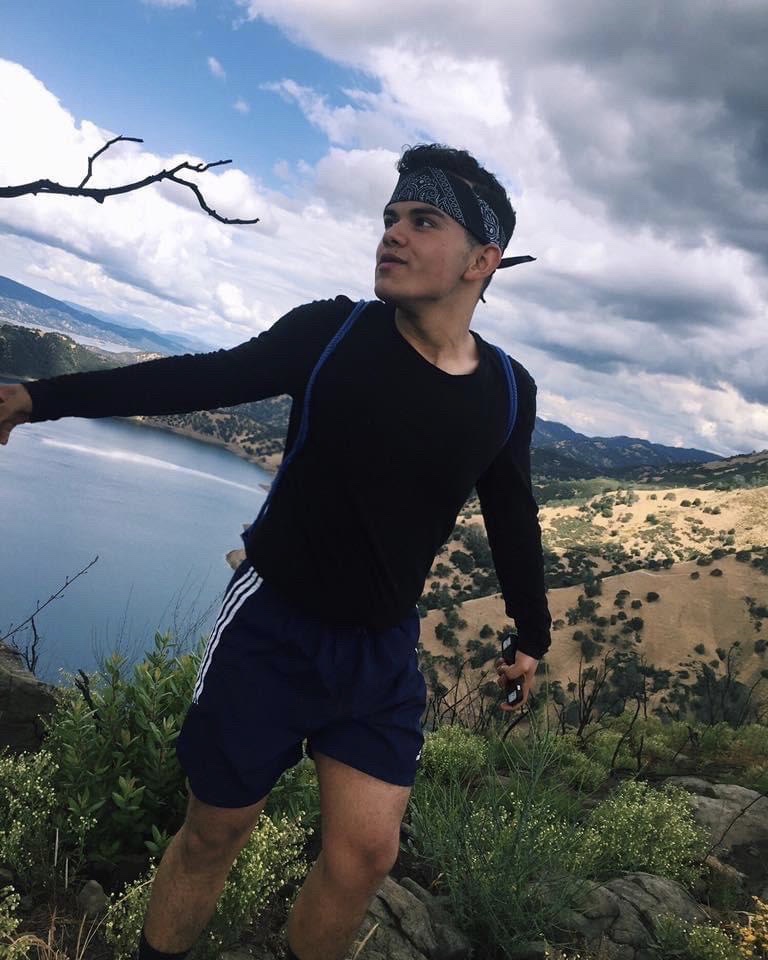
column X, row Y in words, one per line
column 626, row 159
column 216, row 69
column 242, row 106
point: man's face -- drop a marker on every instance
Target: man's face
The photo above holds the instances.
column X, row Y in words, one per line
column 422, row 254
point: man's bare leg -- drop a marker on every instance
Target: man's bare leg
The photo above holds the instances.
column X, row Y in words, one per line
column 192, row 873
column 361, row 818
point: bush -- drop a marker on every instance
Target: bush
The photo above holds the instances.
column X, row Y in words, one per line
column 717, row 572
column 638, row 828
column 453, row 753
column 27, row 804
column 9, row 923
column 478, row 840
column 272, row 857
column 651, row 596
column 699, row 941
column 115, row 748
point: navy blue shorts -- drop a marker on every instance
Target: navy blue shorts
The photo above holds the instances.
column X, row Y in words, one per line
column 273, row 677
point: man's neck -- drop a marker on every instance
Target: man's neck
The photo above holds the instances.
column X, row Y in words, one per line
column 441, row 337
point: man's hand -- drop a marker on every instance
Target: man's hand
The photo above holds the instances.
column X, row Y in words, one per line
column 15, row 408
column 524, row 667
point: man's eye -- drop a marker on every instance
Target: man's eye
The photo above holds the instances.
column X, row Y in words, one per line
column 425, row 222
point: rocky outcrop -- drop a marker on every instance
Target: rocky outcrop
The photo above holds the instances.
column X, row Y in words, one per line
column 737, row 822
column 618, row 917
column 24, row 700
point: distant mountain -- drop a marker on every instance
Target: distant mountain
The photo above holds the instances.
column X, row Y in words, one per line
column 610, row 454
column 744, row 470
column 559, row 453
column 36, row 354
column 23, row 306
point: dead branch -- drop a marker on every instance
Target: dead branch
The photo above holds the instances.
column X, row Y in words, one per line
column 54, row 596
column 100, row 194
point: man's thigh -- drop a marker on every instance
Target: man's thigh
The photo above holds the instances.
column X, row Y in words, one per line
column 361, row 817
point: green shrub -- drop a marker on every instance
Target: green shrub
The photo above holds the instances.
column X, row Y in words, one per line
column 493, row 847
column 272, row 857
column 638, row 828
column 10, row 948
column 453, row 753
column 27, row 802
column 115, row 744
column 296, row 793
column 576, row 768
column 678, row 940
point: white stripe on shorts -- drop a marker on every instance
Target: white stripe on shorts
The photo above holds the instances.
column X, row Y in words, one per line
column 243, row 588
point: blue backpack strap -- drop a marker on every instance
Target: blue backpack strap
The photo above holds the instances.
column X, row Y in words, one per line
column 301, row 436
column 509, row 373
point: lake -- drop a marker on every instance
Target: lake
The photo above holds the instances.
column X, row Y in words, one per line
column 159, row 510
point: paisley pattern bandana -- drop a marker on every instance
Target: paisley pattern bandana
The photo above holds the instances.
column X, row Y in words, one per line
column 456, row 198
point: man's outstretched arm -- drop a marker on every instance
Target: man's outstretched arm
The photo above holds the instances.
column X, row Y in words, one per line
column 277, row 361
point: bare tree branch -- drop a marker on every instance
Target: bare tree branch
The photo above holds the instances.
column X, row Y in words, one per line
column 106, row 147
column 100, row 194
column 54, row 596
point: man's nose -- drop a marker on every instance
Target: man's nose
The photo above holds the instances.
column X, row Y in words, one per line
column 394, row 234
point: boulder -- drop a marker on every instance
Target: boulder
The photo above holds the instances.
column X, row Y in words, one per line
column 737, row 822
column 24, row 700
column 406, row 922
column 617, row 918
column 92, row 899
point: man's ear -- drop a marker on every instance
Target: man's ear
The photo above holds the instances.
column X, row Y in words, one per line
column 484, row 262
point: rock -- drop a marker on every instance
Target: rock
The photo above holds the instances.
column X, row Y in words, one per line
column 737, row 822
column 695, row 785
column 406, row 922
column 24, row 700
column 618, row 917
column 235, row 558
column 92, row 899
column 726, row 872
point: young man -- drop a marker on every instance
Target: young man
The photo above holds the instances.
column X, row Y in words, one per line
column 399, row 412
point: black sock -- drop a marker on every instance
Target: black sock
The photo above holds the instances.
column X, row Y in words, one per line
column 148, row 952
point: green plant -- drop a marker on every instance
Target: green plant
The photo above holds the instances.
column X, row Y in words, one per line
column 11, row 947
column 500, row 847
column 699, row 941
column 114, row 737
column 271, row 858
column 638, row 828
column 31, row 821
column 296, row 794
column 453, row 753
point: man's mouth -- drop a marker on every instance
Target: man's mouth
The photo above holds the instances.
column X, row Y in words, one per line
column 389, row 258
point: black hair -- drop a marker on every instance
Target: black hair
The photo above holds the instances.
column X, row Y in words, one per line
column 464, row 165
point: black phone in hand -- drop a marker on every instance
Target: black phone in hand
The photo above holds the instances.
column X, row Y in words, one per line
column 514, row 691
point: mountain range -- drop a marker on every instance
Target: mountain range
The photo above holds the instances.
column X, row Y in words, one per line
column 49, row 346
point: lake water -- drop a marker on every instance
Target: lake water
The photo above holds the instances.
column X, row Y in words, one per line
column 160, row 511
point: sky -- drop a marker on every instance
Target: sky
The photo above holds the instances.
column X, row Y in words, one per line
column 632, row 139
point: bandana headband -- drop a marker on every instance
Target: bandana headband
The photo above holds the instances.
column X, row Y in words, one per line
column 458, row 200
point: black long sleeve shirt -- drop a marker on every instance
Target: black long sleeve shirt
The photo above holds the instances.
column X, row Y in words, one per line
column 394, row 448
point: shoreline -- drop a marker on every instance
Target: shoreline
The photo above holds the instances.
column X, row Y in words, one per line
column 262, row 462
column 267, row 464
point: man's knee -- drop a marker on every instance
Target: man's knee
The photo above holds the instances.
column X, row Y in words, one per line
column 362, row 864
column 212, row 837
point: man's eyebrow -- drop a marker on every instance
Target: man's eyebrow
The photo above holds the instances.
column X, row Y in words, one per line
column 418, row 212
